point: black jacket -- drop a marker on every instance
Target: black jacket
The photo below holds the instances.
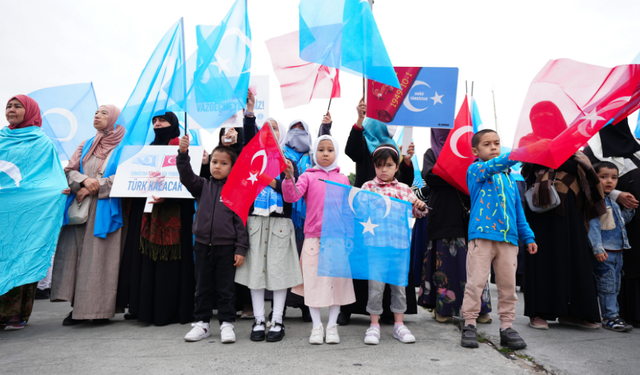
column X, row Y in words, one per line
column 229, row 228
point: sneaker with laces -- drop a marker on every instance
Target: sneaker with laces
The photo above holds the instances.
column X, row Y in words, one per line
column 615, row 324
column 227, row 335
column 511, row 339
column 469, row 336
column 317, row 335
column 372, row 336
column 199, row 331
column 332, row 335
column 403, row 334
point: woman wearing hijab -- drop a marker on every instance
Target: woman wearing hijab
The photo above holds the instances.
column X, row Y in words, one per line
column 616, row 144
column 85, row 272
column 157, row 281
column 444, row 268
column 31, row 180
column 365, row 136
column 559, row 281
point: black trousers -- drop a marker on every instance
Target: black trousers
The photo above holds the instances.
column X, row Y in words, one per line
column 215, row 273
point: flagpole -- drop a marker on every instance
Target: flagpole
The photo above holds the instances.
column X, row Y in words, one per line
column 281, row 154
column 495, row 115
column 184, row 77
column 329, row 107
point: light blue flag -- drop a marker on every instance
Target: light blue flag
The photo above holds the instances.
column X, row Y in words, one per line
column 194, row 134
column 67, row 115
column 364, row 236
column 160, row 88
column 417, row 174
column 31, row 205
column 637, row 132
column 220, row 69
column 516, row 169
column 343, row 34
column 475, row 116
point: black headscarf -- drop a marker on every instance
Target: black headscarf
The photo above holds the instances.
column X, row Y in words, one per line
column 164, row 135
column 618, row 141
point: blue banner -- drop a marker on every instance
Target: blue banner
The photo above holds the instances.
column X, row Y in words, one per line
column 31, row 205
column 67, row 115
column 431, row 100
column 343, row 34
column 364, row 236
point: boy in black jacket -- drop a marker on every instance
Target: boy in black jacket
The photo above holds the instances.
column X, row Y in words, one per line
column 219, row 251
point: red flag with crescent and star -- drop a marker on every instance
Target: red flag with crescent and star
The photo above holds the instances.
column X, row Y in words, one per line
column 169, row 161
column 568, row 102
column 259, row 163
column 456, row 157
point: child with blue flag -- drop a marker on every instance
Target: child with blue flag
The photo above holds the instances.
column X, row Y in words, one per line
column 496, row 224
column 386, row 159
column 318, row 291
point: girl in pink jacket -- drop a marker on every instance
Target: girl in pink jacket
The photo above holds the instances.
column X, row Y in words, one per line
column 319, row 291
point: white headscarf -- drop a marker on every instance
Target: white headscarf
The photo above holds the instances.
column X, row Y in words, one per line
column 281, row 129
column 336, row 147
column 624, row 165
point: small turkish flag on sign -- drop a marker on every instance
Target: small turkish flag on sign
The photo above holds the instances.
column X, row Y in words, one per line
column 258, row 164
column 456, row 157
column 169, row 161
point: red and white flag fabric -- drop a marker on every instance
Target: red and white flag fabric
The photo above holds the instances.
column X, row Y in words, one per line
column 169, row 161
column 258, row 164
column 456, row 157
column 568, row 102
column 300, row 81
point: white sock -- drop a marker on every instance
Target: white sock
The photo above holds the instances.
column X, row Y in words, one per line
column 257, row 299
column 315, row 316
column 334, row 311
column 279, row 298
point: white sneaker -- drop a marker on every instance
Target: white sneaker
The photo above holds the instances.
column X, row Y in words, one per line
column 372, row 336
column 199, row 331
column 317, row 335
column 227, row 335
column 403, row 334
column 332, row 335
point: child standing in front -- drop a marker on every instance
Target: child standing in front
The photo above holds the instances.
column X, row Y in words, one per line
column 496, row 224
column 218, row 249
column 318, row 291
column 608, row 237
column 386, row 160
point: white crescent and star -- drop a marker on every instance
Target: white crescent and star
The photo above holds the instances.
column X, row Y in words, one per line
column 456, row 136
column 253, row 177
column 407, row 102
column 368, row 225
column 590, row 120
column 221, row 63
column 12, row 171
column 73, row 122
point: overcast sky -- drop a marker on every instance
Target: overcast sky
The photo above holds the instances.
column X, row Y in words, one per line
column 500, row 45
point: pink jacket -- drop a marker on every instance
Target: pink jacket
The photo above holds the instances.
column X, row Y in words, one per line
column 312, row 189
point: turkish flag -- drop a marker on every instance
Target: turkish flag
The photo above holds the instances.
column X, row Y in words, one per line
column 568, row 102
column 169, row 161
column 456, row 157
column 258, row 164
column 300, row 81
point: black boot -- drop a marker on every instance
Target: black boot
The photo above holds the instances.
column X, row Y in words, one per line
column 306, row 315
column 69, row 321
column 344, row 318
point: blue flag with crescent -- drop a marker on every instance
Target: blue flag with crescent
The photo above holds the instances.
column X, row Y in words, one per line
column 219, row 71
column 67, row 115
column 364, row 236
column 343, row 34
column 31, row 205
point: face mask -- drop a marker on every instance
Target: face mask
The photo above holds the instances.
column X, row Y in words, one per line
column 298, row 139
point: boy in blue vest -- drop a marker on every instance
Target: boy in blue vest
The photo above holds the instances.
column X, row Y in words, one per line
column 496, row 224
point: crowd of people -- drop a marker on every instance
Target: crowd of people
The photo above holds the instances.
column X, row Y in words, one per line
column 568, row 243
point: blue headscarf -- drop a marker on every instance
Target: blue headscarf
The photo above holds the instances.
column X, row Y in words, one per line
column 376, row 133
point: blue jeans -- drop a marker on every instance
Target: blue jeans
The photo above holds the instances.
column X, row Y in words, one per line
column 608, row 275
